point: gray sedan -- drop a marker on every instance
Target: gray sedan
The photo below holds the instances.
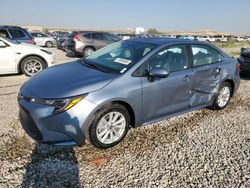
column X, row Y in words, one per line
column 42, row 39
column 126, row 84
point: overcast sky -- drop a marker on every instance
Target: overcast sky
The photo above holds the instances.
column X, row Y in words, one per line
column 180, row 15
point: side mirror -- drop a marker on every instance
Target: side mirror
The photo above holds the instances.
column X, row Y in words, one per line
column 2, row 44
column 158, row 72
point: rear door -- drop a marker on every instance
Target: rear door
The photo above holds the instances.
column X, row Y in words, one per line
column 207, row 74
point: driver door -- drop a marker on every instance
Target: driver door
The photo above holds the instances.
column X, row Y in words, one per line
column 166, row 96
column 7, row 58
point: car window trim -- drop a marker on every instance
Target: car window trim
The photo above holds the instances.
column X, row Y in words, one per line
column 134, row 74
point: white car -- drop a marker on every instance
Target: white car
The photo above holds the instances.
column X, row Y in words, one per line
column 42, row 39
column 187, row 37
column 220, row 38
column 206, row 39
column 239, row 39
column 18, row 57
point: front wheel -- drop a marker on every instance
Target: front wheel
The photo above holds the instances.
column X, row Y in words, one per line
column 108, row 126
column 32, row 65
column 87, row 51
column 223, row 96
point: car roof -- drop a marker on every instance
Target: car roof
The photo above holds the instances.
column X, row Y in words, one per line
column 10, row 26
column 164, row 41
column 83, row 32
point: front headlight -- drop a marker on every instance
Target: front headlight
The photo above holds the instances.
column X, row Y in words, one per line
column 60, row 105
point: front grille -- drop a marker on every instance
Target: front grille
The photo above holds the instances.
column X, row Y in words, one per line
column 29, row 125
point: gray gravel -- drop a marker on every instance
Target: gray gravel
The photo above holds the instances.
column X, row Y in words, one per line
column 204, row 148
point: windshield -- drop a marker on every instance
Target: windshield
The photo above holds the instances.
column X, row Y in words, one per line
column 120, row 56
column 11, row 41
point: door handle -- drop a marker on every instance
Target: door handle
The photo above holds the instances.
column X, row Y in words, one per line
column 187, row 78
column 217, row 70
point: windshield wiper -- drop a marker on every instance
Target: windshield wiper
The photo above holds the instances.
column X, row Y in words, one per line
column 92, row 65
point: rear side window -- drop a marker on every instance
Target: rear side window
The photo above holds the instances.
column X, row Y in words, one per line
column 3, row 33
column 16, row 33
column 88, row 36
column 111, row 38
column 204, row 55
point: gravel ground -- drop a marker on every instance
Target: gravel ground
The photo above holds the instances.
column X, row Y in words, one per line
column 203, row 148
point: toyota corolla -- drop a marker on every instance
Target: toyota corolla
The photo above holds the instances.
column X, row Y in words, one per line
column 126, row 84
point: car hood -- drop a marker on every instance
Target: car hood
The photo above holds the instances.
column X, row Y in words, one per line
column 66, row 80
column 23, row 45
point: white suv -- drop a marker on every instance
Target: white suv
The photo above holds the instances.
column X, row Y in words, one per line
column 18, row 57
column 206, row 39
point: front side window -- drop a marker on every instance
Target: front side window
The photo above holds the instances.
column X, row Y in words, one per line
column 16, row 33
column 204, row 55
column 172, row 59
column 119, row 56
column 34, row 34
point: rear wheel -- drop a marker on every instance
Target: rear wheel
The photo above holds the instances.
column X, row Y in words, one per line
column 87, row 51
column 108, row 126
column 49, row 44
column 32, row 65
column 223, row 96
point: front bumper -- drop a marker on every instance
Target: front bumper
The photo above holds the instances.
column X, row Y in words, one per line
column 50, row 59
column 65, row 128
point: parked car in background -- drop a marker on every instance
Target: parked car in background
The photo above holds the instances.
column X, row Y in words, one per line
column 86, row 42
column 220, row 38
column 205, row 39
column 244, row 61
column 188, row 37
column 56, row 34
column 126, row 36
column 42, row 39
column 239, row 38
column 18, row 57
column 126, row 84
column 16, row 33
column 61, row 41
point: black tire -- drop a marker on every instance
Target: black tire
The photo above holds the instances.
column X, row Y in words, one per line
column 92, row 126
column 215, row 105
column 87, row 51
column 49, row 44
column 26, row 60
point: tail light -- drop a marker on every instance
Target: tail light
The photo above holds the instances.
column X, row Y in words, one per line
column 31, row 41
column 76, row 37
column 238, row 66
